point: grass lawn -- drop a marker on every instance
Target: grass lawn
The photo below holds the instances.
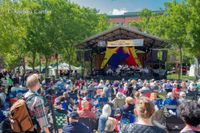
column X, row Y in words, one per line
column 175, row 76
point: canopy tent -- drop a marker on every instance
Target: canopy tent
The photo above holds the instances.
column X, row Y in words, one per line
column 65, row 66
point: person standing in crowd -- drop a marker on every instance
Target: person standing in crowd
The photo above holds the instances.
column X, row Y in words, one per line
column 35, row 104
column 144, row 111
column 74, row 125
column 190, row 113
column 106, row 112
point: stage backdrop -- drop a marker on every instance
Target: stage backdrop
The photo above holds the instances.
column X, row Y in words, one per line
column 114, row 56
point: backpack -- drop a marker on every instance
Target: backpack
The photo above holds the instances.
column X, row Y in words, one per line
column 20, row 118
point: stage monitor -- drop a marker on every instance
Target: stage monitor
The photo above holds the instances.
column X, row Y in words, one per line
column 78, row 55
column 164, row 55
column 87, row 56
column 154, row 55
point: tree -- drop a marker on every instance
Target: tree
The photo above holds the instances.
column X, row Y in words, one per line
column 45, row 28
column 193, row 29
column 171, row 26
column 12, row 32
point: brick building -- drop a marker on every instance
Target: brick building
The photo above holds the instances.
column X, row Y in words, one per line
column 127, row 17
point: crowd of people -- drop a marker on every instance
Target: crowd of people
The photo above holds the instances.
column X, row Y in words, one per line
column 87, row 106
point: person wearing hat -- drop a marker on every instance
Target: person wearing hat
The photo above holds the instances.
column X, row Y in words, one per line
column 74, row 125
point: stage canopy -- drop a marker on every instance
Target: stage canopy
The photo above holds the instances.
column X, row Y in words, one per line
column 122, row 33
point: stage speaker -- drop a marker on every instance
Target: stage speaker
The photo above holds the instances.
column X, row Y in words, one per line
column 154, row 55
column 87, row 56
column 78, row 55
column 164, row 55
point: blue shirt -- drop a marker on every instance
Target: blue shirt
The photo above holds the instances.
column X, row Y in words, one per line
column 76, row 127
column 102, row 123
column 171, row 102
column 2, row 116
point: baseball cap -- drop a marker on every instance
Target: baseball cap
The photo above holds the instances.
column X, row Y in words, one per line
column 74, row 115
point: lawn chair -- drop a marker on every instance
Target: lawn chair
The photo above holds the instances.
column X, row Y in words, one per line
column 174, row 124
column 90, row 123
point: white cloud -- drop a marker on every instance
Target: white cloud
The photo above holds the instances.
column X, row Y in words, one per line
column 119, row 11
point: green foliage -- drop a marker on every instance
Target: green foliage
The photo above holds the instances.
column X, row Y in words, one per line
column 175, row 77
column 179, row 26
column 193, row 28
column 45, row 28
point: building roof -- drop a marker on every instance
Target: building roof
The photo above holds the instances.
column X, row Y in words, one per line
column 131, row 14
column 125, row 33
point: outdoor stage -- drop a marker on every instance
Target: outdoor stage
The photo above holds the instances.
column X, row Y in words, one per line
column 124, row 53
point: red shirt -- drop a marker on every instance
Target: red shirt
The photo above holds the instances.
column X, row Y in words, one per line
column 176, row 92
column 86, row 114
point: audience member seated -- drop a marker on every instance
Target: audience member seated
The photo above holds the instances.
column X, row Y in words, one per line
column 85, row 113
column 119, row 100
column 2, row 116
column 144, row 111
column 182, row 97
column 192, row 93
column 168, row 86
column 61, row 105
column 103, row 99
column 2, row 95
column 145, row 90
column 171, row 103
column 176, row 90
column 110, row 125
column 190, row 113
column 136, row 96
column 67, row 98
column 127, row 114
column 75, row 126
column 156, row 101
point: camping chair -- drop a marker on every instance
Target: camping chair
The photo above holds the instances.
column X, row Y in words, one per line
column 174, row 124
column 171, row 107
column 90, row 123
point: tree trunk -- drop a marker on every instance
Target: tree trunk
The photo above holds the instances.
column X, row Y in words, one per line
column 181, row 59
column 46, row 66
column 198, row 65
column 24, row 67
column 197, row 60
column 40, row 65
column 33, row 62
column 57, row 65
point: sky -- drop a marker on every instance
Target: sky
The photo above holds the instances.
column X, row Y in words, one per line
column 118, row 7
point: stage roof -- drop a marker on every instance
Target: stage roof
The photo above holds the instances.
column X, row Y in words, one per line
column 125, row 34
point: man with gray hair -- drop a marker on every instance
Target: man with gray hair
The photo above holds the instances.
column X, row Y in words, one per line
column 35, row 104
column 85, row 113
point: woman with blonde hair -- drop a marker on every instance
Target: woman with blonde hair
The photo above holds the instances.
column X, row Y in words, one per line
column 110, row 125
column 144, row 111
column 106, row 112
